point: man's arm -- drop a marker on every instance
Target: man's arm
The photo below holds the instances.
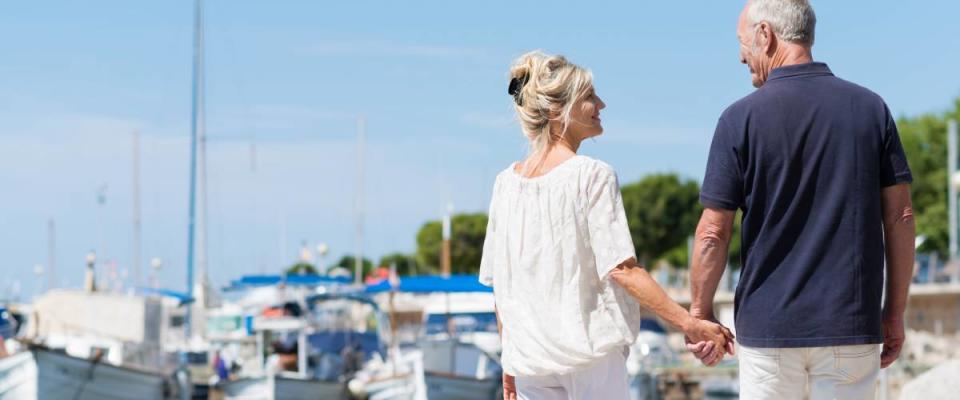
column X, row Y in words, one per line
column 899, row 233
column 710, row 247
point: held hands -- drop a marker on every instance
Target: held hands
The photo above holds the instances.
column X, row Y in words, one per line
column 509, row 387
column 708, row 341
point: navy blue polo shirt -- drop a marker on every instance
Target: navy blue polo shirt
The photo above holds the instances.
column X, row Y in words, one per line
column 805, row 157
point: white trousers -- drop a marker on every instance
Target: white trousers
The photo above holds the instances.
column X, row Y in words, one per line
column 605, row 380
column 837, row 372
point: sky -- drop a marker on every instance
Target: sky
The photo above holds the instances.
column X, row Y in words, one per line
column 287, row 83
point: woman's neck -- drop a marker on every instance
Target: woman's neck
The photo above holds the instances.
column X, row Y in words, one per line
column 568, row 145
column 542, row 162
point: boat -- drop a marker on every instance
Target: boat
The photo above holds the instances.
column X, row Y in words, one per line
column 399, row 377
column 460, row 345
column 457, row 370
column 281, row 386
column 141, row 331
column 43, row 374
column 276, row 381
column 324, row 348
column 354, row 327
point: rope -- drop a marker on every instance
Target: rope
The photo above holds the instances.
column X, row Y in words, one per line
column 94, row 362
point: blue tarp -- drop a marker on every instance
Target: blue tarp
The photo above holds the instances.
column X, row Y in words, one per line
column 148, row 291
column 7, row 324
column 432, row 284
column 248, row 281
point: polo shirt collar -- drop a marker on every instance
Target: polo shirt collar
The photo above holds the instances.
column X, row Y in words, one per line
column 808, row 69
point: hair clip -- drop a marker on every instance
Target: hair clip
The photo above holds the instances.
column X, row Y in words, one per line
column 516, row 85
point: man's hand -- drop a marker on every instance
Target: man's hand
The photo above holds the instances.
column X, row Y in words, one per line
column 509, row 387
column 893, row 338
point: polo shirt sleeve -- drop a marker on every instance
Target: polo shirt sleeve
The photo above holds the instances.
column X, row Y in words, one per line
column 893, row 161
column 723, row 181
column 610, row 237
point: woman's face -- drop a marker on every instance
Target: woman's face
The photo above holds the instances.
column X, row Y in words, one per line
column 585, row 116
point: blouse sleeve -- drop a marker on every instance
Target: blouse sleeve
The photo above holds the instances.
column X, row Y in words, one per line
column 607, row 221
column 489, row 242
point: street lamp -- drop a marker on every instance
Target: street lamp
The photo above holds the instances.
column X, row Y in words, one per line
column 305, row 255
column 38, row 271
column 155, row 264
column 322, row 250
column 90, row 284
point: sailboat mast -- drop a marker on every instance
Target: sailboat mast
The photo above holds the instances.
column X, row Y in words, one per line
column 358, row 266
column 195, row 132
column 137, row 228
column 202, row 218
column 51, row 255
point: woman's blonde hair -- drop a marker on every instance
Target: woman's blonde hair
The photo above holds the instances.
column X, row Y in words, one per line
column 545, row 88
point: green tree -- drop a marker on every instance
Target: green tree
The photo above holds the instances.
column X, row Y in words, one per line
column 466, row 243
column 925, row 142
column 678, row 256
column 302, row 268
column 662, row 211
column 406, row 264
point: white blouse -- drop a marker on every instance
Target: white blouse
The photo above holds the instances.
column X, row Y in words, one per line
column 551, row 240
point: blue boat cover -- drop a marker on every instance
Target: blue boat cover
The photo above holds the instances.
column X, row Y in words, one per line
column 149, row 291
column 432, row 284
column 7, row 324
column 249, row 281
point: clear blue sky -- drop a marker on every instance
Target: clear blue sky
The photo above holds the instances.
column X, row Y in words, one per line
column 430, row 78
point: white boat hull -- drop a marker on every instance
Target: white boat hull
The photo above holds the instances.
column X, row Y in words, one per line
column 460, row 370
column 393, row 388
column 46, row 375
column 18, row 377
column 282, row 388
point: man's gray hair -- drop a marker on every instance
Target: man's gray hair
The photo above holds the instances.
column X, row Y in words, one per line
column 792, row 20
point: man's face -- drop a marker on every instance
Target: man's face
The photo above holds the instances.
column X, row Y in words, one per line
column 751, row 54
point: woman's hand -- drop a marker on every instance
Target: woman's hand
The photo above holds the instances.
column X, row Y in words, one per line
column 708, row 341
column 509, row 387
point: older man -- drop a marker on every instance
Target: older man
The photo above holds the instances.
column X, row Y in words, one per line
column 816, row 165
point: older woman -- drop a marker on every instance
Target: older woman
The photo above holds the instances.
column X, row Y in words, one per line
column 558, row 252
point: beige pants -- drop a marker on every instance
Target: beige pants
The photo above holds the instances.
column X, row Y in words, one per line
column 837, row 372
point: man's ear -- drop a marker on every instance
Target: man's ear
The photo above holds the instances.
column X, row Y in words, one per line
column 767, row 39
